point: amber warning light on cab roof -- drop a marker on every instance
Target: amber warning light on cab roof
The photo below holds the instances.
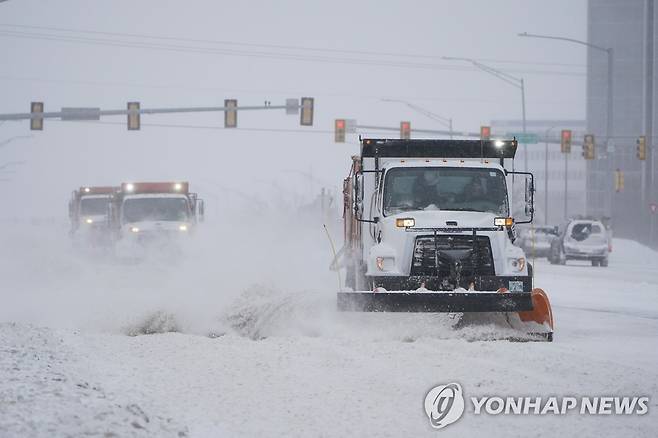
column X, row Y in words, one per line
column 155, row 187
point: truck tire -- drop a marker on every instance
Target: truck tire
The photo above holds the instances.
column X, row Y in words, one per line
column 604, row 262
column 595, row 262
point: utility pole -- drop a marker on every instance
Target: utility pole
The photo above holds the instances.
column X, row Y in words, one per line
column 514, row 81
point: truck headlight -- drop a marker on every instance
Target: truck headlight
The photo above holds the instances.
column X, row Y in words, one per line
column 89, row 220
column 504, row 221
column 182, row 227
column 134, row 229
column 406, row 222
column 518, row 264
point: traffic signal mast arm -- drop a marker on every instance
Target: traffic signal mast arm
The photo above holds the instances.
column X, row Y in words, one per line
column 89, row 113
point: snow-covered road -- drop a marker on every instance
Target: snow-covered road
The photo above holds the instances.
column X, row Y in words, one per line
column 284, row 363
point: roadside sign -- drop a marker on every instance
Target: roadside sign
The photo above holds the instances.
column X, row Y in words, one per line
column 528, row 137
column 292, row 106
column 81, row 113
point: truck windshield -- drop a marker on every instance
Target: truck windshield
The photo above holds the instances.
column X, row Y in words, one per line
column 445, row 188
column 93, row 206
column 155, row 209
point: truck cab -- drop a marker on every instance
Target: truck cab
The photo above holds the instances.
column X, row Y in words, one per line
column 88, row 210
column 152, row 211
column 429, row 227
column 425, row 195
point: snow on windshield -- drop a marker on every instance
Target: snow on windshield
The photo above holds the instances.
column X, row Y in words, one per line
column 457, row 189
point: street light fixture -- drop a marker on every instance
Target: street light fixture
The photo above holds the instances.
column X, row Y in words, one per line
column 610, row 108
column 514, row 81
column 608, row 51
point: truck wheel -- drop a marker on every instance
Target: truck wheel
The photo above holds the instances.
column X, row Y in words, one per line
column 604, row 263
column 595, row 262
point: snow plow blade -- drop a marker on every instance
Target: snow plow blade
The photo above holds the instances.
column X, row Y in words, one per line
column 434, row 302
column 541, row 313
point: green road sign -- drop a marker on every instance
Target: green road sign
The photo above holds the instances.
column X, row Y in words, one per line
column 527, row 138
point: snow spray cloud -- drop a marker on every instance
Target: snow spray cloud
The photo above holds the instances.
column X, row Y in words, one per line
column 444, row 405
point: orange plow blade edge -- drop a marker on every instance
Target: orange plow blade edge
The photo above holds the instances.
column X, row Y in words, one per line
column 541, row 312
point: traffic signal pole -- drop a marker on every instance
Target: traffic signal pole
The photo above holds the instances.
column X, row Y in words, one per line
column 96, row 113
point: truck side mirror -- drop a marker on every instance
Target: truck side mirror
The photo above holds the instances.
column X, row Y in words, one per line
column 201, row 207
column 529, row 189
column 529, row 196
column 527, row 208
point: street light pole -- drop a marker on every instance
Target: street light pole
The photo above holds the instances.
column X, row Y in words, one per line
column 546, row 174
column 566, row 181
column 514, row 81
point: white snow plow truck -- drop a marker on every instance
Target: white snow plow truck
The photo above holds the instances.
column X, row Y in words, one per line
column 144, row 214
column 428, row 227
column 88, row 209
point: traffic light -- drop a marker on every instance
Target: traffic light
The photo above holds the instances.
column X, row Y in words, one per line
column 230, row 115
column 134, row 122
column 565, row 141
column 588, row 147
column 619, row 180
column 641, row 148
column 36, row 124
column 339, row 131
column 405, row 130
column 485, row 132
column 306, row 118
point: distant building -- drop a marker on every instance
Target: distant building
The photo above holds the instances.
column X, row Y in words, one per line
column 546, row 155
column 629, row 28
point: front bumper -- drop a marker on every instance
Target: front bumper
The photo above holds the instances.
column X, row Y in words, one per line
column 513, row 283
column 433, row 302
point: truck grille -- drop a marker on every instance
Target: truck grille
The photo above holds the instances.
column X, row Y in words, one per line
column 452, row 247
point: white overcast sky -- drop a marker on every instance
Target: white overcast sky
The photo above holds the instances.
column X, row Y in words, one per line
column 107, row 70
